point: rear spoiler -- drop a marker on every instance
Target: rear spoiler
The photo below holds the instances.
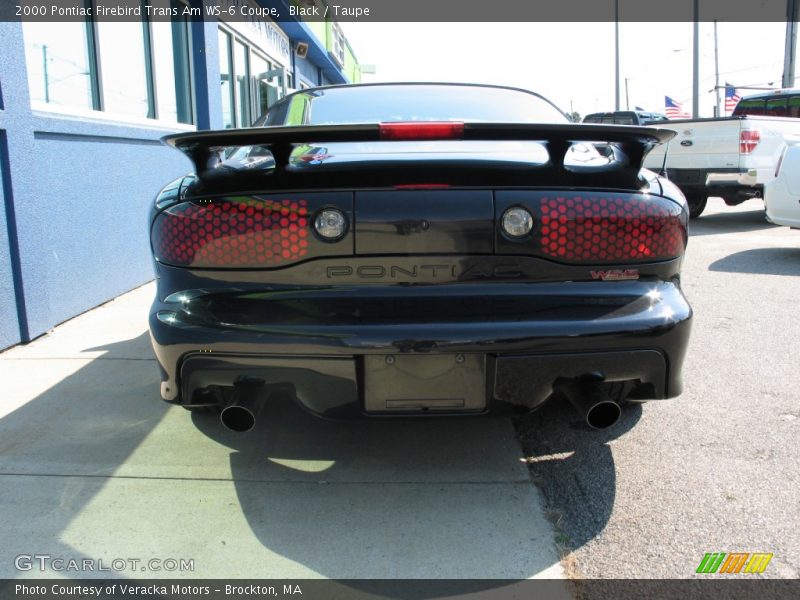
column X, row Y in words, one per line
column 626, row 145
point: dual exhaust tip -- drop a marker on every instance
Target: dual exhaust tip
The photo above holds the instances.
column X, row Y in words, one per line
column 586, row 394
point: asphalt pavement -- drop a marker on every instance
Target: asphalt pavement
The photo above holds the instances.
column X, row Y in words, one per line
column 715, row 470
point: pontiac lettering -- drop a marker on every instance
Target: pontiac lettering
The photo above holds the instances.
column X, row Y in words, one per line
column 431, row 271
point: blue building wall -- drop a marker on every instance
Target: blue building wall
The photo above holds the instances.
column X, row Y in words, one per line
column 13, row 130
column 77, row 190
column 82, row 223
column 9, row 328
column 80, row 191
column 307, row 72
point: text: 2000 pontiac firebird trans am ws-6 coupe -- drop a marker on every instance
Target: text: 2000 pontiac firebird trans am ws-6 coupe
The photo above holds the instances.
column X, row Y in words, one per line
column 418, row 249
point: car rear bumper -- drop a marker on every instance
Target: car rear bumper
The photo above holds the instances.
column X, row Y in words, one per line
column 337, row 349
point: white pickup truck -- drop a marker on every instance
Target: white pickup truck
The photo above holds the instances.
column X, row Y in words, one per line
column 731, row 157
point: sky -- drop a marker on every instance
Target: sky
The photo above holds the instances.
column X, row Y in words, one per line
column 572, row 64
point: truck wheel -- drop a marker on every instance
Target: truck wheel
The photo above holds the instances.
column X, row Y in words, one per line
column 697, row 204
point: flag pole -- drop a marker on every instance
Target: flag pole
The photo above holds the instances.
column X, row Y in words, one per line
column 790, row 44
column 716, row 70
column 616, row 54
column 696, row 63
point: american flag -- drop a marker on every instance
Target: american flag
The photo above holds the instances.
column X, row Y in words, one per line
column 674, row 110
column 731, row 97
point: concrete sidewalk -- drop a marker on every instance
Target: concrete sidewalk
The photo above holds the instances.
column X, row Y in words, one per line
column 94, row 466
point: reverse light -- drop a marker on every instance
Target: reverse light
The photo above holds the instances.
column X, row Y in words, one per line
column 330, row 224
column 517, row 222
column 417, row 131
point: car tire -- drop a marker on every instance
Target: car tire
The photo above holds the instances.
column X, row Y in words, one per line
column 697, row 204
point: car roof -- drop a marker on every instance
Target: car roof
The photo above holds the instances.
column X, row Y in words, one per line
column 772, row 93
column 421, row 83
column 623, row 112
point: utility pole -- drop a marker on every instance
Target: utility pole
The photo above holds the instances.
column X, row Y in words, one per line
column 716, row 70
column 791, row 43
column 616, row 54
column 627, row 104
column 46, row 78
column 696, row 63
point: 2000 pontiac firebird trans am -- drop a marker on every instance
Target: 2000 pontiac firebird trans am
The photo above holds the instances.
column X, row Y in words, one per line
column 418, row 249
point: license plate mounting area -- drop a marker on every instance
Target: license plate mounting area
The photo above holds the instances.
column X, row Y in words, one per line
column 419, row 383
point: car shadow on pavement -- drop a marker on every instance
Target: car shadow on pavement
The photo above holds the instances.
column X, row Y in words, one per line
column 573, row 466
column 431, row 498
column 59, row 449
column 730, row 222
column 764, row 261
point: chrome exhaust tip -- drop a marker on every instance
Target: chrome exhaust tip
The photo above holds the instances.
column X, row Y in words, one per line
column 589, row 398
column 249, row 396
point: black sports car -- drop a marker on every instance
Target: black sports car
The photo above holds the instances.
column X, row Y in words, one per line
column 418, row 249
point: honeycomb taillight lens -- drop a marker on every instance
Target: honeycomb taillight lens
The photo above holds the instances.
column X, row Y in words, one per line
column 600, row 228
column 232, row 233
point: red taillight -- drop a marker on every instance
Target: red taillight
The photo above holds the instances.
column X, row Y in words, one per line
column 228, row 233
column 413, row 130
column 608, row 229
column 748, row 140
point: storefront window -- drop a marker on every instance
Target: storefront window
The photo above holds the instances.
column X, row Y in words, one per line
column 59, row 70
column 260, row 68
column 257, row 80
column 139, row 68
column 225, row 79
column 242, row 74
column 338, row 44
column 172, row 76
column 123, row 68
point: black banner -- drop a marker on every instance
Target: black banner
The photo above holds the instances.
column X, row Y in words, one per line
column 399, row 10
column 706, row 588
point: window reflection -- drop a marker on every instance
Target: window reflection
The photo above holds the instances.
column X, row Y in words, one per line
column 242, row 70
column 58, row 63
column 260, row 68
column 172, row 77
column 140, row 68
column 122, row 65
column 225, row 79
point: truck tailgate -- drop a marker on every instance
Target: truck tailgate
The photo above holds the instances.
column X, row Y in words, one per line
column 704, row 144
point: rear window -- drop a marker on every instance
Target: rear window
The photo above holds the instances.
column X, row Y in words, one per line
column 775, row 107
column 793, row 107
column 387, row 103
column 618, row 118
column 655, row 119
column 771, row 106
